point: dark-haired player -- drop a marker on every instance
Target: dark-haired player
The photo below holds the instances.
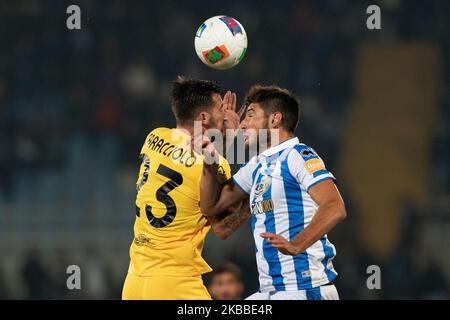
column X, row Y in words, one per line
column 170, row 229
column 293, row 199
column 226, row 282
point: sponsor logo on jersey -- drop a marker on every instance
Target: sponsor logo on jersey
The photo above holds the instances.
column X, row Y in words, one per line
column 143, row 240
column 262, row 206
column 221, row 171
column 306, row 274
column 314, row 165
column 232, row 24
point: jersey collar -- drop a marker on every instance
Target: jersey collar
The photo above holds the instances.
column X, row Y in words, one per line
column 280, row 147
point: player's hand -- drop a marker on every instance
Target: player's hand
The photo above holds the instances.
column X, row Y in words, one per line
column 231, row 119
column 203, row 145
column 284, row 246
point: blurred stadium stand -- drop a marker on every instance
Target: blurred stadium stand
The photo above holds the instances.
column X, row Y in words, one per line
column 75, row 107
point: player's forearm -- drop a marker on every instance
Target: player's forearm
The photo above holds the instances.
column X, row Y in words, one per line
column 326, row 218
column 209, row 189
column 225, row 224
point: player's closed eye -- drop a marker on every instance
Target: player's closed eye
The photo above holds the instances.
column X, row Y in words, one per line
column 249, row 112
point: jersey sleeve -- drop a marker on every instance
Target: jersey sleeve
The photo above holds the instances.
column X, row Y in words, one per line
column 224, row 170
column 307, row 167
column 243, row 178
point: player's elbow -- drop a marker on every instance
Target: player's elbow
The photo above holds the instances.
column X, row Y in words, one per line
column 336, row 209
column 341, row 212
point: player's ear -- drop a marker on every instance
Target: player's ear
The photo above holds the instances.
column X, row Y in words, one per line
column 204, row 118
column 276, row 119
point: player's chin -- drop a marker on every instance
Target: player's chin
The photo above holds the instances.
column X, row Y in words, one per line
column 249, row 141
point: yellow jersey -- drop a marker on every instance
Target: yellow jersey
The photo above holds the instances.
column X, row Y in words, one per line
column 170, row 228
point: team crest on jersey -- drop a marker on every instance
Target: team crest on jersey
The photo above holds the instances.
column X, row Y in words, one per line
column 261, row 188
column 232, row 24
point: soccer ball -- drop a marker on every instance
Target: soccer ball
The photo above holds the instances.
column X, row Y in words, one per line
column 221, row 42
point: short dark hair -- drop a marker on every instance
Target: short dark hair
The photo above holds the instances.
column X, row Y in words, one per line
column 272, row 99
column 190, row 96
column 228, row 268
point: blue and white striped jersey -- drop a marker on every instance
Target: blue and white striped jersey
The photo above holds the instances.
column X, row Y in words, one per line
column 277, row 182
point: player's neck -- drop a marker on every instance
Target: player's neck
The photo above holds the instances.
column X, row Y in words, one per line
column 282, row 137
column 187, row 129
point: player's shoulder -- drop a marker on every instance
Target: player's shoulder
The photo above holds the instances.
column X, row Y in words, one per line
column 251, row 164
column 174, row 136
column 160, row 131
column 223, row 169
column 163, row 141
column 301, row 151
column 305, row 157
column 157, row 132
column 248, row 169
column 223, row 162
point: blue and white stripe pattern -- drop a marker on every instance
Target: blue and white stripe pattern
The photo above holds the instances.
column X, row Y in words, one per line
column 278, row 183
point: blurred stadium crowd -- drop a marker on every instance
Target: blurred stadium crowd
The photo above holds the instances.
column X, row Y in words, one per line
column 75, row 107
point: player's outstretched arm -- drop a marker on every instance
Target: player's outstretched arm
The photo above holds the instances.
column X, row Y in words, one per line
column 331, row 211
